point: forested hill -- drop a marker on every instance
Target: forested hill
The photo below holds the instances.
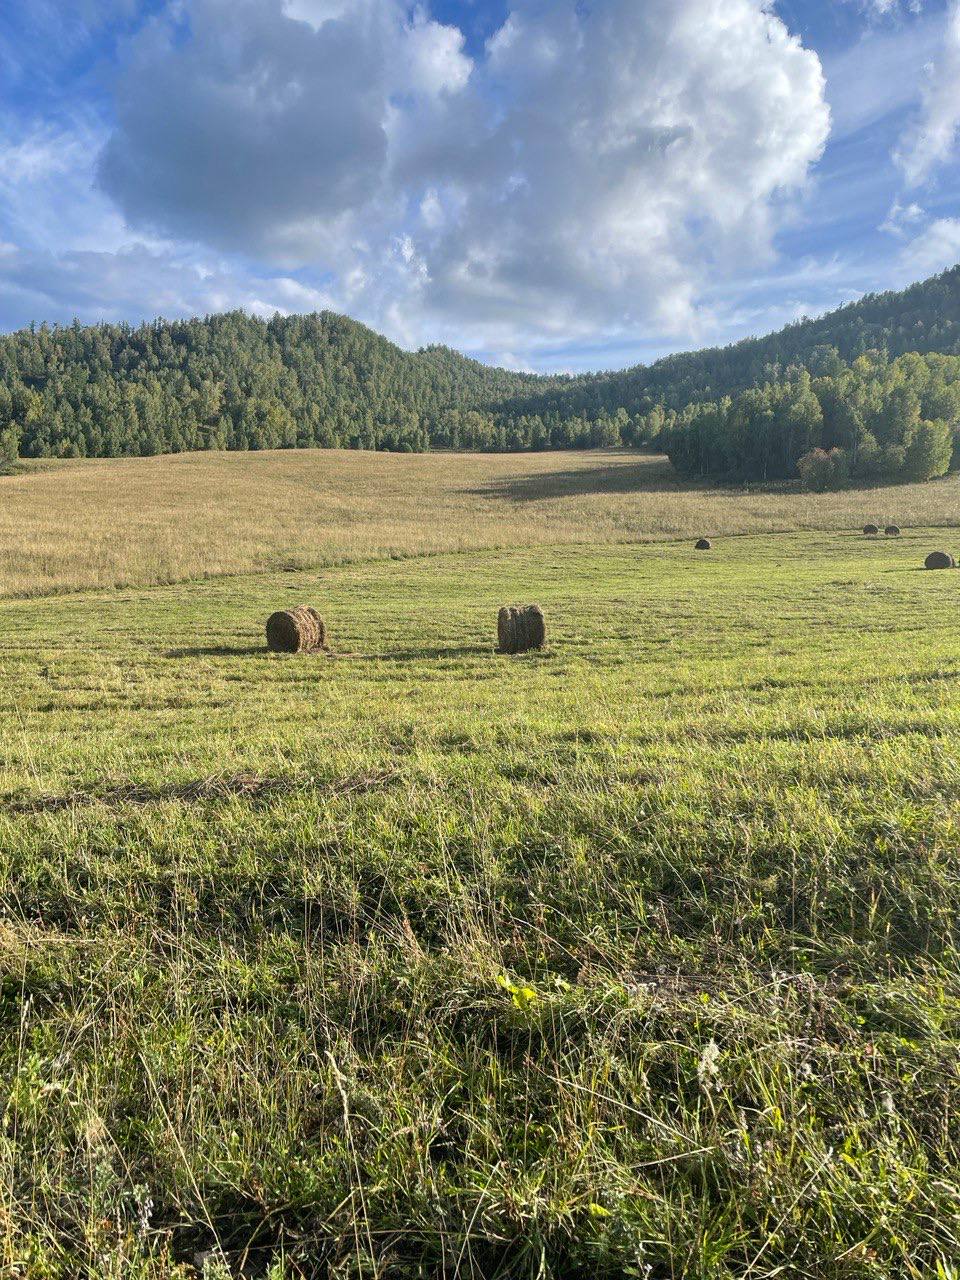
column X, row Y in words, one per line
column 236, row 382
column 923, row 318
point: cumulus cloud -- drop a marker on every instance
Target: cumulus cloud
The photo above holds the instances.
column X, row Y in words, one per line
column 633, row 148
column 264, row 128
column 65, row 251
column 589, row 171
column 94, row 285
column 936, row 248
column 930, row 140
column 47, row 192
column 248, row 130
column 434, row 61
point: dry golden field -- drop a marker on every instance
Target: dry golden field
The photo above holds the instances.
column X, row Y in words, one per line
column 139, row 521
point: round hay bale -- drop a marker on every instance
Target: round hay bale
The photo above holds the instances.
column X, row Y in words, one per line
column 892, row 531
column 505, row 629
column 521, row 628
column 871, row 530
column 940, row 560
column 704, row 545
column 299, row 630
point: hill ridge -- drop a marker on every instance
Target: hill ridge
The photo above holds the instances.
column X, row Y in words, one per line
column 233, row 381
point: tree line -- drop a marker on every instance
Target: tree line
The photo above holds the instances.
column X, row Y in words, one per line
column 236, row 382
column 873, row 419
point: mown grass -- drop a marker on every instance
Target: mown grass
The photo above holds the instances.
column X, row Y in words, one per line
column 633, row 958
column 139, row 521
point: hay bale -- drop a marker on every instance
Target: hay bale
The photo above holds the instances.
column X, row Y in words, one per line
column 704, row 545
column 521, row 628
column 299, row 630
column 505, row 629
column 940, row 560
column 871, row 530
column 892, row 531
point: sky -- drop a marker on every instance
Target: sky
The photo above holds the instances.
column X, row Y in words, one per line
column 544, row 184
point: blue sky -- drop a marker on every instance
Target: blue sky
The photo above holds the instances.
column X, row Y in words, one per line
column 548, row 184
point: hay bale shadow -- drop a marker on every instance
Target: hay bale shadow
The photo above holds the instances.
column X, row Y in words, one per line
column 221, row 651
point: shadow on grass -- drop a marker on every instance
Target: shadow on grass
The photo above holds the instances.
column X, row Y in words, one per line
column 864, row 732
column 650, row 475
column 399, row 655
column 250, row 787
column 913, row 568
column 221, row 651
column 927, row 677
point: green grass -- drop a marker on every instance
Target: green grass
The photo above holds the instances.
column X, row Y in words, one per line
column 634, row 958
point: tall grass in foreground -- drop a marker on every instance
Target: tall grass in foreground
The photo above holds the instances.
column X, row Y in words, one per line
column 634, row 958
column 129, row 522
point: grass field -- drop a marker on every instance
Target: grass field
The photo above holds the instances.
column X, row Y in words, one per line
column 140, row 521
column 635, row 958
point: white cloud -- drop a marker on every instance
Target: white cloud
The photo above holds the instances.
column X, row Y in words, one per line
column 316, row 12
column 256, row 133
column 47, row 192
column 888, row 8
column 267, row 129
column 588, row 174
column 507, row 360
column 930, row 140
column 935, row 249
column 138, row 281
column 434, row 60
column 597, row 171
column 880, row 74
column 429, row 57
column 634, row 148
column 65, row 251
column 902, row 218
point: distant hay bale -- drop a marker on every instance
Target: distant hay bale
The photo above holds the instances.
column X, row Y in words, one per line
column 892, row 531
column 521, row 628
column 871, row 530
column 704, row 545
column 940, row 560
column 299, row 630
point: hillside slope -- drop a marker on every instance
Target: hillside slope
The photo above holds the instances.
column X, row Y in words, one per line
column 923, row 318
column 235, row 382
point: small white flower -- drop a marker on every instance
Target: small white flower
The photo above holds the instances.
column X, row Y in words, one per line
column 708, row 1068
